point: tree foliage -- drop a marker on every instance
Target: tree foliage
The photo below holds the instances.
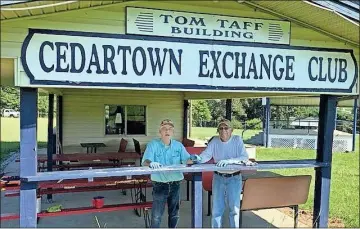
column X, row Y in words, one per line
column 200, row 111
column 10, row 99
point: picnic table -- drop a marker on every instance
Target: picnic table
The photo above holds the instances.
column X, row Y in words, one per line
column 92, row 146
column 89, row 157
column 137, row 185
column 114, row 159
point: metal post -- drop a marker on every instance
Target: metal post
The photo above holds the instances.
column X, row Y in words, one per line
column 28, row 155
column 186, row 119
column 49, row 138
column 60, row 124
column 190, row 118
column 355, row 110
column 228, row 114
column 196, row 201
column 267, row 122
column 324, row 154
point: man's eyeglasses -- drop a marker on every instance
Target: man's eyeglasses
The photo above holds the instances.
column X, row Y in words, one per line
column 167, row 129
column 223, row 128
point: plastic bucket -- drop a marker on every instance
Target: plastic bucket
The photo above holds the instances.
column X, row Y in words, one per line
column 98, row 202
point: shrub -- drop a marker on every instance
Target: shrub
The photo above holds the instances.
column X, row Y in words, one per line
column 255, row 124
column 237, row 124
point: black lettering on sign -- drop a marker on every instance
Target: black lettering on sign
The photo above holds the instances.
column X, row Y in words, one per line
column 181, row 20
column 203, row 63
column 143, row 57
column 321, row 77
column 158, row 63
column 215, row 61
column 123, row 49
column 222, row 22
column 166, row 17
column 235, row 24
column 281, row 70
column 109, row 59
column 239, row 64
column 61, row 56
column 265, row 65
column 200, row 21
column 174, row 61
column 252, row 68
column 312, row 78
column 94, row 61
column 331, row 79
column 258, row 25
column 73, row 47
column 41, row 56
column 247, row 24
column 289, row 67
column 175, row 29
column 342, row 69
column 226, row 74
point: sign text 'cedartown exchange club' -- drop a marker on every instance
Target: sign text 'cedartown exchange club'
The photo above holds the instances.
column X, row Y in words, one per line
column 89, row 59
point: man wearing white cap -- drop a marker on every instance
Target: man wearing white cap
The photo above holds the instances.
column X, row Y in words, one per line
column 226, row 149
column 166, row 186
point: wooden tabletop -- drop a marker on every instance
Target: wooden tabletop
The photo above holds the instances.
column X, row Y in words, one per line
column 90, row 157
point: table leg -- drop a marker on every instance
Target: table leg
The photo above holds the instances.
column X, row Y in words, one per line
column 95, row 149
column 87, row 149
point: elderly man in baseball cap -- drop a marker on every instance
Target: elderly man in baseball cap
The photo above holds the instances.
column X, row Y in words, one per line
column 226, row 149
column 166, row 186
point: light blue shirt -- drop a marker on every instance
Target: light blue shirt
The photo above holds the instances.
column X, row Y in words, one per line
column 174, row 154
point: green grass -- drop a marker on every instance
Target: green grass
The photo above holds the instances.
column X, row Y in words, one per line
column 207, row 132
column 10, row 135
column 344, row 189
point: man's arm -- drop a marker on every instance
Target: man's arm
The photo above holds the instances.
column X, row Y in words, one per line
column 185, row 156
column 208, row 153
column 148, row 156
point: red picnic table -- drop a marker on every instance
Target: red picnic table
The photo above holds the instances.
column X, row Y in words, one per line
column 115, row 158
column 90, row 157
column 137, row 183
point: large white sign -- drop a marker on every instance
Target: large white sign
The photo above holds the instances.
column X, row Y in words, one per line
column 168, row 23
column 112, row 60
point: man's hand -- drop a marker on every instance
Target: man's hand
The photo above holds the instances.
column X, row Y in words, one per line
column 223, row 163
column 195, row 158
column 249, row 163
column 155, row 165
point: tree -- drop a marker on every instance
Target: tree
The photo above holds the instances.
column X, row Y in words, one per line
column 238, row 110
column 10, row 98
column 200, row 111
column 216, row 108
column 253, row 108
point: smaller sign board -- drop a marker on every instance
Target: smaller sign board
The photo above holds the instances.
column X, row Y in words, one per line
column 168, row 23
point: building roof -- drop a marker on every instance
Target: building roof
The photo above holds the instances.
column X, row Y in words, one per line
column 349, row 9
column 307, row 101
column 336, row 19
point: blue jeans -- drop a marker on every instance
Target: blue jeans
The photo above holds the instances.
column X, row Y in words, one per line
column 165, row 193
column 226, row 189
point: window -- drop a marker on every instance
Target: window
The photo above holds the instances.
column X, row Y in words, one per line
column 125, row 120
